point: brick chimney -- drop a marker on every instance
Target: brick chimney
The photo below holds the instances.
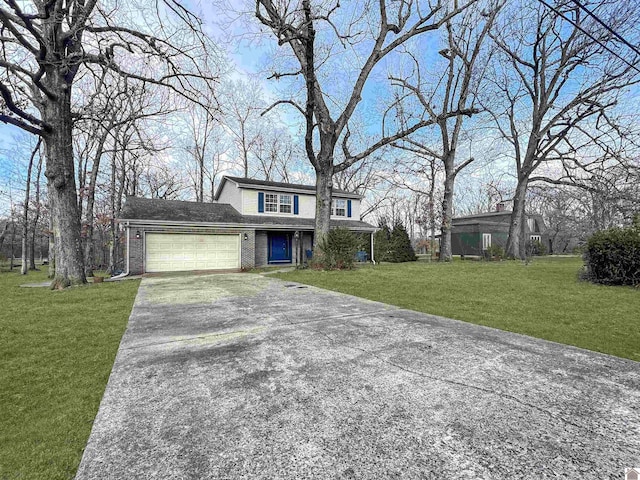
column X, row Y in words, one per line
column 500, row 207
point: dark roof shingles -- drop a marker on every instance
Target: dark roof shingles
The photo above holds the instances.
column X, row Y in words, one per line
column 260, row 183
column 159, row 210
column 137, row 208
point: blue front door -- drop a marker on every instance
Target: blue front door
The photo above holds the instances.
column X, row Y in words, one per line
column 279, row 248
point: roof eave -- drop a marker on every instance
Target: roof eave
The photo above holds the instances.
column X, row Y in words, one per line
column 307, row 191
column 255, row 226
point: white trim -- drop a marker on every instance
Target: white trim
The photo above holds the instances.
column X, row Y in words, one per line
column 486, row 241
column 270, row 203
column 334, row 207
column 310, row 190
column 303, row 191
column 235, row 226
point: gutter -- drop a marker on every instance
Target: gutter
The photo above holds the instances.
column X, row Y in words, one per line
column 302, row 191
column 372, row 259
column 256, row 226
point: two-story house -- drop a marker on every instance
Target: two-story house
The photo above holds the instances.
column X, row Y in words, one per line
column 251, row 223
column 474, row 234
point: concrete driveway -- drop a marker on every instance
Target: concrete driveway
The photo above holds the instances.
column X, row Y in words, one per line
column 243, row 376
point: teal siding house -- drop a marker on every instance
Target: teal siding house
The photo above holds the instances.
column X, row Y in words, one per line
column 473, row 235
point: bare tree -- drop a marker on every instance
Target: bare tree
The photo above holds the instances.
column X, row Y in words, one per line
column 482, row 192
column 243, row 102
column 559, row 79
column 44, row 46
column 25, row 210
column 565, row 211
column 278, row 156
column 379, row 29
column 114, row 106
column 159, row 180
column 420, row 172
column 36, row 217
column 451, row 100
column 202, row 144
column 3, row 233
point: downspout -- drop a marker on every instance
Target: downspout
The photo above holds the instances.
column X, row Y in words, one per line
column 372, row 259
column 126, row 272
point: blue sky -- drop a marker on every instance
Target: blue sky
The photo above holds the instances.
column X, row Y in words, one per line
column 249, row 52
column 10, row 184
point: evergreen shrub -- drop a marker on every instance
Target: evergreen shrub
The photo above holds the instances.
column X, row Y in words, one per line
column 393, row 245
column 612, row 257
column 338, row 249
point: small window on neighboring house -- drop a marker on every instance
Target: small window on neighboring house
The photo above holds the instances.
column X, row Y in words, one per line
column 271, row 202
column 339, row 208
column 536, row 238
column 486, row 241
column 285, row 203
column 531, row 224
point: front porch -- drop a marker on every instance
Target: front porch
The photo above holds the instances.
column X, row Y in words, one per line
column 282, row 247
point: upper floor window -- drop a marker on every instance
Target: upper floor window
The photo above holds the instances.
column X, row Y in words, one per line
column 277, row 203
column 271, row 202
column 339, row 208
column 285, row 203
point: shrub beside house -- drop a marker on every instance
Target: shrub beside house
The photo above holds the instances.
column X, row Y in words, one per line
column 393, row 244
column 252, row 223
column 612, row 257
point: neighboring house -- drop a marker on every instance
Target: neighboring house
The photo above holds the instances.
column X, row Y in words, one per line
column 474, row 234
column 251, row 223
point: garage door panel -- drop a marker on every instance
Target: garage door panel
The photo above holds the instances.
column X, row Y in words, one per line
column 166, row 252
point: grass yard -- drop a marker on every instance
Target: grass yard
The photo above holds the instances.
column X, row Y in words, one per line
column 56, row 353
column 544, row 299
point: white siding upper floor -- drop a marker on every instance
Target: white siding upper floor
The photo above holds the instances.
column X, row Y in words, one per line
column 280, row 202
column 250, row 203
column 232, row 195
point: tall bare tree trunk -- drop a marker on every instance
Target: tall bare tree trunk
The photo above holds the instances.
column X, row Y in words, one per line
column 516, row 242
column 4, row 234
column 89, row 242
column 36, row 219
column 432, row 213
column 62, row 186
column 324, row 187
column 116, row 206
column 25, row 212
column 13, row 239
column 52, row 247
column 201, row 177
column 447, row 215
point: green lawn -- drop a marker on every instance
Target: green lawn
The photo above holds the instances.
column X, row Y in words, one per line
column 56, row 353
column 544, row 299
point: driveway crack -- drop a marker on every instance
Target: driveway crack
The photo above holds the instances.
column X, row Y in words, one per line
column 462, row 384
column 191, row 338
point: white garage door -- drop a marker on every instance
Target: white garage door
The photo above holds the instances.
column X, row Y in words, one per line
column 174, row 252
